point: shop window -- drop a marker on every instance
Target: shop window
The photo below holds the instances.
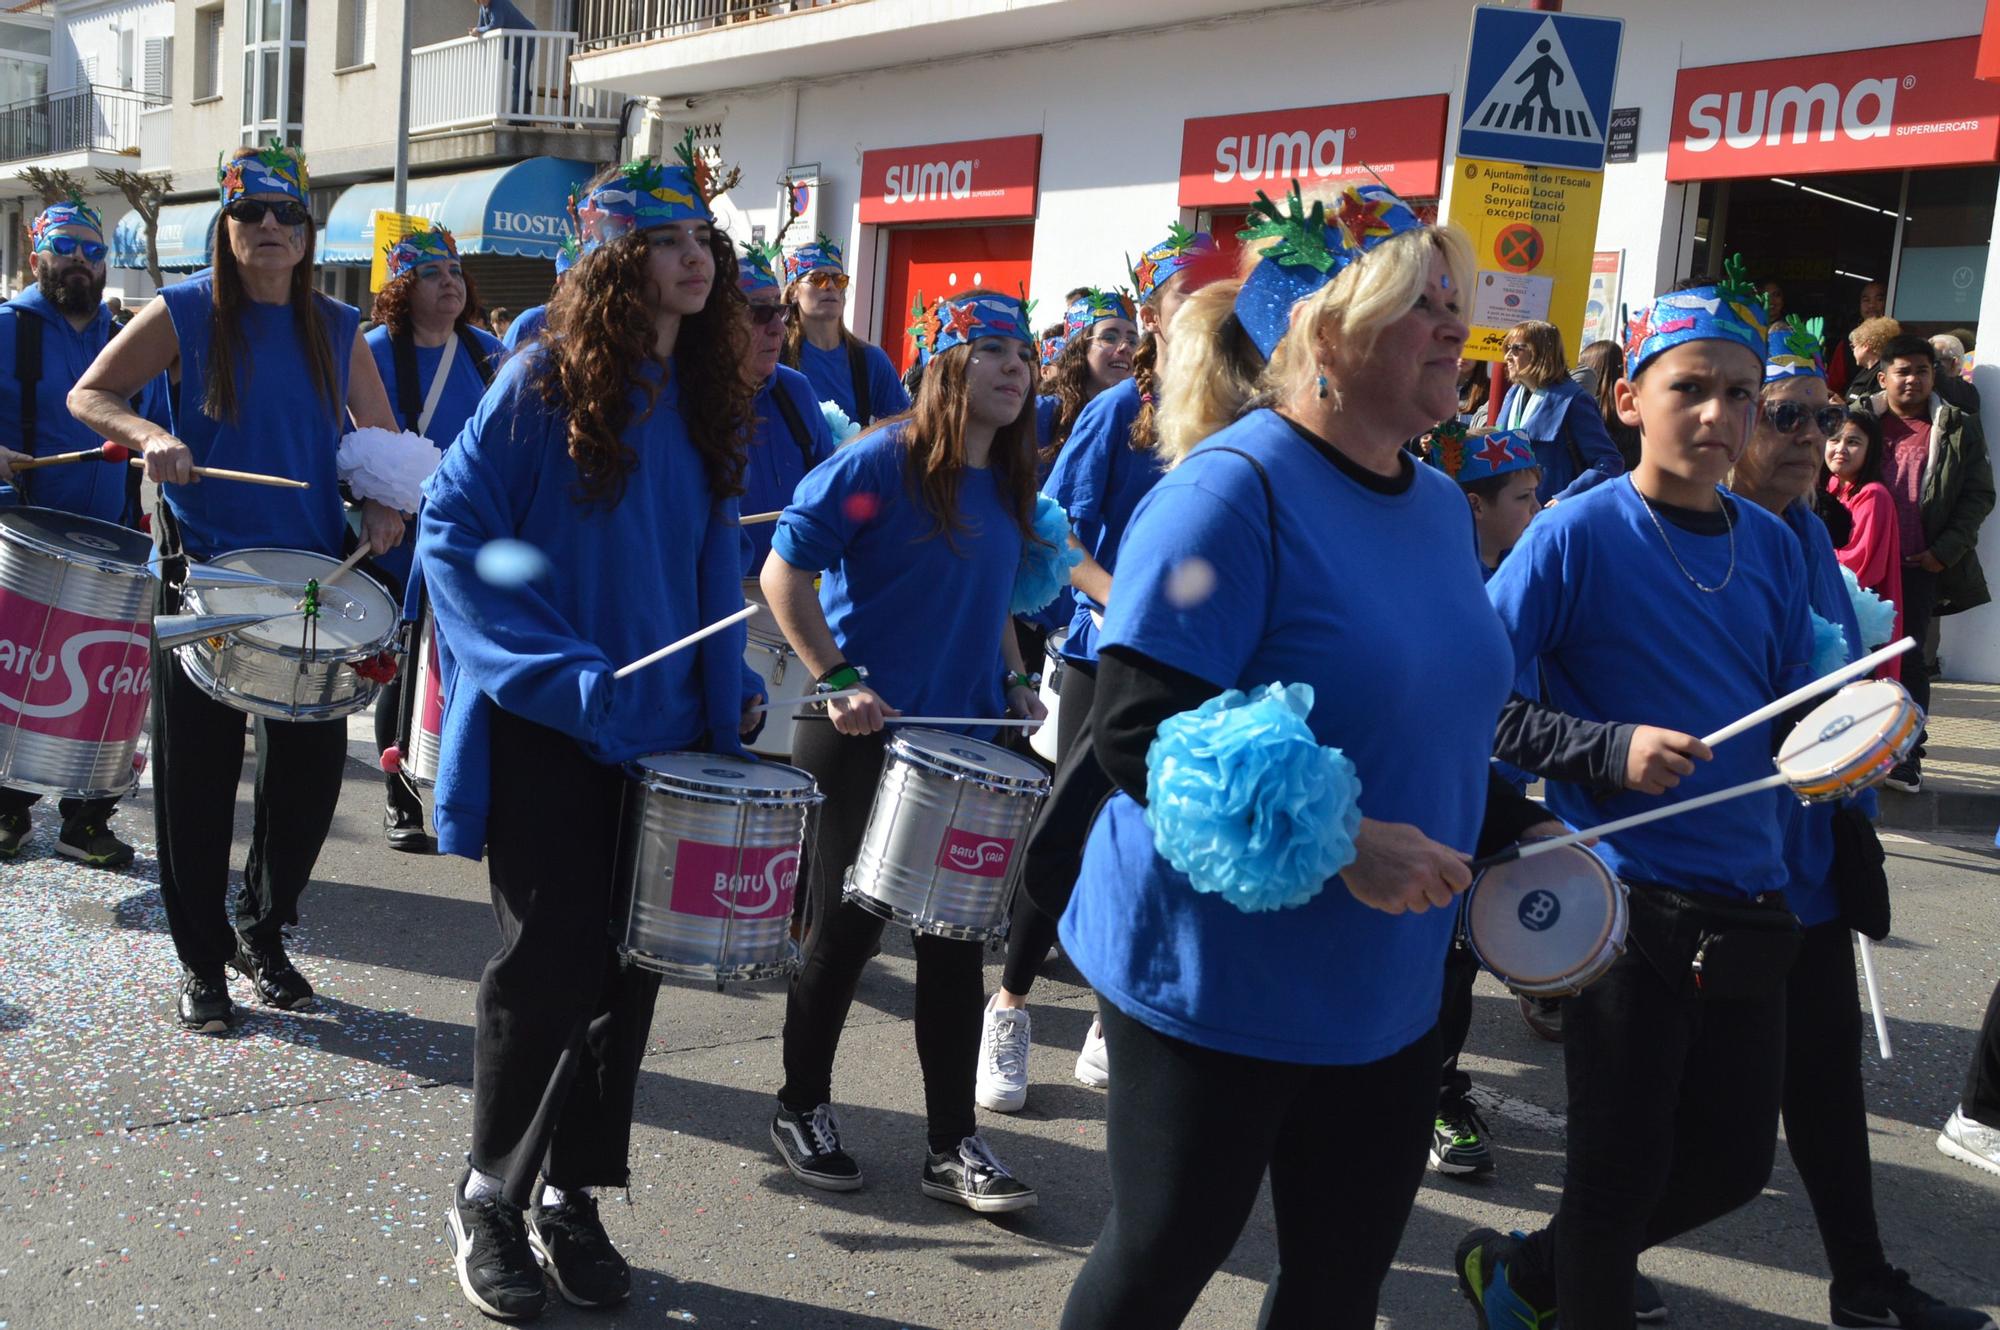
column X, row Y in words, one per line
column 274, row 52
column 1947, row 226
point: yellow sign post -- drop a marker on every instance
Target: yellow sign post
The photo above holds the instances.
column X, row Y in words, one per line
column 1533, row 229
column 388, row 228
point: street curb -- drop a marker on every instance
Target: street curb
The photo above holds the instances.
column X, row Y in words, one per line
column 1939, row 810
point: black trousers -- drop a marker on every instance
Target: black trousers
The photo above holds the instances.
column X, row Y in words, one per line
column 1981, row 1100
column 197, row 762
column 1919, row 608
column 1055, row 846
column 556, row 984
column 1673, row 1122
column 1461, row 967
column 840, row 938
column 1191, row 1133
column 1826, row 1117
column 72, row 810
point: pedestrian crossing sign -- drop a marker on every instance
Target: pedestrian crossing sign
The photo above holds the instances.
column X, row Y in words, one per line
column 1538, row 87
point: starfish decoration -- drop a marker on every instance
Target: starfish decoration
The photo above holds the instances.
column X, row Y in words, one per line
column 1495, row 452
column 1300, row 232
column 1142, row 272
column 961, row 319
column 1361, row 218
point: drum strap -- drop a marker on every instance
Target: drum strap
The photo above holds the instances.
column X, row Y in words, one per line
column 857, row 374
column 28, row 373
column 409, row 403
column 794, row 422
column 406, row 697
column 1270, row 509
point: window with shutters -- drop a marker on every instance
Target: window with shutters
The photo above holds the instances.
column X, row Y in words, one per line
column 357, row 33
column 208, row 52
column 160, row 68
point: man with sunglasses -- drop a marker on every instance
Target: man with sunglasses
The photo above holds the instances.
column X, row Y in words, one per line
column 49, row 334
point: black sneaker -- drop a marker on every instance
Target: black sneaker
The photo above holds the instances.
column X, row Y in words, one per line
column 271, row 972
column 1647, row 1304
column 570, row 1243
column 972, row 1177
column 403, row 820
column 1893, row 1300
column 810, row 1144
column 1544, row 1016
column 14, row 829
column 1458, row 1142
column 496, row 1267
column 92, row 843
column 204, row 1005
column 1482, row 1264
column 1906, row 776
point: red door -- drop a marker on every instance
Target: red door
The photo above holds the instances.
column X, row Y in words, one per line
column 950, row 260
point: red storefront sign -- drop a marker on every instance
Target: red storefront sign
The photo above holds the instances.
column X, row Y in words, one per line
column 979, row 180
column 1988, row 67
column 1877, row 110
column 1226, row 159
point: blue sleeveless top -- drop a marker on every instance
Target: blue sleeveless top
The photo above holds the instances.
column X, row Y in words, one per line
column 284, row 430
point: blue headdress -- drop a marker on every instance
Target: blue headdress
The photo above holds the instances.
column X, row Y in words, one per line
column 272, row 169
column 1795, row 351
column 821, row 253
column 1310, row 252
column 414, row 250
column 756, row 269
column 71, row 212
column 1164, row 261
column 644, row 194
column 1729, row 311
column 1094, row 307
column 954, row 322
column 1467, row 460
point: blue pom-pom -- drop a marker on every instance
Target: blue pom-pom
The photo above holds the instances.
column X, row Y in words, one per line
column 1244, row 800
column 1045, row 560
column 1830, row 648
column 836, row 420
column 1876, row 616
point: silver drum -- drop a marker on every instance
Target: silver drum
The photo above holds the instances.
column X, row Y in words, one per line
column 1043, row 741
column 945, row 841
column 784, row 675
column 280, row 669
column 708, row 863
column 76, row 610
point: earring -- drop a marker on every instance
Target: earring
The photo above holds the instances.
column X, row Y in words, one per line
column 1322, row 385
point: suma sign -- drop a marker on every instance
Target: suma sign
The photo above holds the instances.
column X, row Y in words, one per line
column 1226, row 159
column 979, row 180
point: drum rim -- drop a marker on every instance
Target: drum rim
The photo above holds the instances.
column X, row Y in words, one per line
column 200, row 676
column 318, row 656
column 1882, row 749
column 749, row 972
column 849, row 893
column 901, row 749
column 1608, row 936
column 98, row 562
column 1895, row 717
column 646, row 777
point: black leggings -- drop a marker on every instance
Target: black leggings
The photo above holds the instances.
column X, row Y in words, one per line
column 1461, row 968
column 1055, row 847
column 1981, row 1100
column 1190, row 1135
column 840, row 938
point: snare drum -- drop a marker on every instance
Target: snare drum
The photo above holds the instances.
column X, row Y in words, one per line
column 425, row 741
column 708, row 863
column 784, row 675
column 1850, row 741
column 1550, row 925
column 944, row 845
column 1043, row 741
column 278, row 669
column 76, row 609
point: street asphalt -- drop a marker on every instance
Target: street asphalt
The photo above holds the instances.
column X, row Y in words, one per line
column 296, row 1174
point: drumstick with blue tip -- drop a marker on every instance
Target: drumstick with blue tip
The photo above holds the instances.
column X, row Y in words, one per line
column 1533, row 848
column 1826, row 683
column 686, row 642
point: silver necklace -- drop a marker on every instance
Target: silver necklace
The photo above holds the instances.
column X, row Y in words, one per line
column 1728, row 524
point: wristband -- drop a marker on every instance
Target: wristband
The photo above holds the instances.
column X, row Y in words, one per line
column 840, row 676
column 1013, row 680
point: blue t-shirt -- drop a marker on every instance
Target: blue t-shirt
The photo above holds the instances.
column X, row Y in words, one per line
column 1046, row 407
column 91, row 489
column 526, row 327
column 1331, row 982
column 1099, row 480
column 284, row 428
column 832, row 380
column 1809, row 827
column 1593, row 593
column 776, row 460
column 462, row 390
column 922, row 612
column 619, row 583
column 502, row 14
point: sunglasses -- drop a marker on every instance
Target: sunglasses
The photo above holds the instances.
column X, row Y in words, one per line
column 762, row 315
column 824, row 279
column 1788, row 417
column 1513, row 349
column 251, row 212
column 66, row 246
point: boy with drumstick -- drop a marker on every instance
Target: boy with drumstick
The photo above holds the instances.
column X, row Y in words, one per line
column 1657, row 597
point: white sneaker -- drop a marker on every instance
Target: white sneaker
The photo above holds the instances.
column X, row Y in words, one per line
column 1003, row 1058
column 1970, row 1142
column 1093, row 1064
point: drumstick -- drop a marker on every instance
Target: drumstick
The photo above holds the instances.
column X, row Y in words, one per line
column 1874, row 995
column 784, row 702
column 346, row 565
column 248, row 477
column 754, row 518
column 61, row 459
column 688, row 641
column 1824, row 684
column 1533, row 848
column 957, row 720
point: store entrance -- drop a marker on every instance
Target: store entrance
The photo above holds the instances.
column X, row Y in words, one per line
column 947, row 261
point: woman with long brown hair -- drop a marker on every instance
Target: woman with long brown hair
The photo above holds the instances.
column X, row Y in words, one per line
column 916, row 531
column 1564, row 422
column 435, row 361
column 1100, row 340
column 1606, row 362
column 855, row 375
column 586, row 514
column 269, row 371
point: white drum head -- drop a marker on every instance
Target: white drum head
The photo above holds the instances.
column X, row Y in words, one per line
column 711, row 773
column 354, row 615
column 1536, row 921
column 1843, row 729
column 974, row 758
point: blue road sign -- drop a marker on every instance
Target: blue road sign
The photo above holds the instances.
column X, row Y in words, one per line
column 1538, row 87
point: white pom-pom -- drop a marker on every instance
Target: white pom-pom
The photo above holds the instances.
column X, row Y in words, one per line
column 387, row 467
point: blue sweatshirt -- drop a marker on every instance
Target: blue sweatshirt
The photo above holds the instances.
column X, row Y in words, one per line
column 1572, row 446
column 776, row 460
column 832, row 380
column 922, row 612
column 1323, row 596
column 90, row 489
column 620, row 583
column 284, row 428
column 1593, row 593
column 525, row 328
column 1099, row 480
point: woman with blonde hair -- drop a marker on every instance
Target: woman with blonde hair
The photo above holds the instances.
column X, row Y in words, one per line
column 1560, row 417
column 1291, row 535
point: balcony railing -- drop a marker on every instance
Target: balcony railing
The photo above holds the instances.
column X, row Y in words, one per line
column 503, row 78
column 608, row 23
column 82, row 120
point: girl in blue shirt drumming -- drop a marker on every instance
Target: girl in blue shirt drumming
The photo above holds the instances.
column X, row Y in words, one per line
column 917, row 530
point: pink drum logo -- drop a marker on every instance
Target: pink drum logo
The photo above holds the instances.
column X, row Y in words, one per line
column 431, row 712
column 979, row 856
column 715, row 882
column 72, row 676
